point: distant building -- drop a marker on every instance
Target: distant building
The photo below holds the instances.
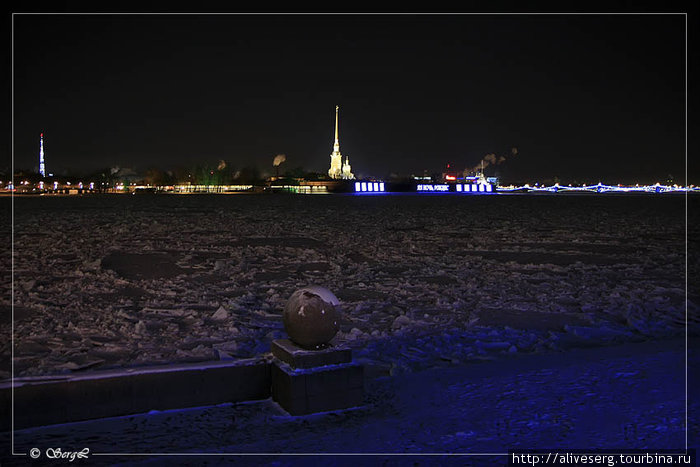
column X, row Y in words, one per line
column 339, row 169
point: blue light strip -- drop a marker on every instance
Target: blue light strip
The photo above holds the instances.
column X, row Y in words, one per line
column 481, row 188
column 371, row 187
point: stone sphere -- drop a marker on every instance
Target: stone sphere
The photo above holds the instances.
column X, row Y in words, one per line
column 311, row 318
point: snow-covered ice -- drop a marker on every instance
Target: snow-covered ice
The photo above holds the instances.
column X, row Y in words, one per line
column 116, row 281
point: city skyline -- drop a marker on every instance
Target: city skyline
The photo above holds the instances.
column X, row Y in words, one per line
column 577, row 96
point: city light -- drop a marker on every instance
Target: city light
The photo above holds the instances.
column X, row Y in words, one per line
column 432, row 188
column 371, row 187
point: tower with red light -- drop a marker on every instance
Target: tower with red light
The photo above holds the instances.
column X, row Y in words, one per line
column 42, row 166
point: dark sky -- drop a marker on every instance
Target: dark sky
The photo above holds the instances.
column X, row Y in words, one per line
column 582, row 97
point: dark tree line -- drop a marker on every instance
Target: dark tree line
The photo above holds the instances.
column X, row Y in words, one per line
column 199, row 174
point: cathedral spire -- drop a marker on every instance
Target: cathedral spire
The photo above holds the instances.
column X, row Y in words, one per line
column 336, row 143
column 338, row 168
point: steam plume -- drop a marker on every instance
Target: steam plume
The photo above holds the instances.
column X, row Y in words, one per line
column 490, row 159
column 279, row 158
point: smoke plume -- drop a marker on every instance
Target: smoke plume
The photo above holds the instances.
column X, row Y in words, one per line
column 490, row 159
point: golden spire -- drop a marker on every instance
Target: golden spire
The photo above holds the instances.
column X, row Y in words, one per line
column 336, row 123
column 336, row 143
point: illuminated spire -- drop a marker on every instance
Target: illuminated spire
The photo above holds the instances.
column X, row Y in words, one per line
column 336, row 143
column 42, row 167
column 338, row 168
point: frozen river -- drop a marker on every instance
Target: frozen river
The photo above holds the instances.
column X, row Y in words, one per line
column 424, row 281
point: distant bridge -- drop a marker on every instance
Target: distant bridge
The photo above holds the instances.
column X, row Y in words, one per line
column 601, row 188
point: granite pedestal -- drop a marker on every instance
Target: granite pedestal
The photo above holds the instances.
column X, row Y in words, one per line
column 310, row 381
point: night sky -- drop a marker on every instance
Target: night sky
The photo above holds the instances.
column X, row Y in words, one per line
column 583, row 98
